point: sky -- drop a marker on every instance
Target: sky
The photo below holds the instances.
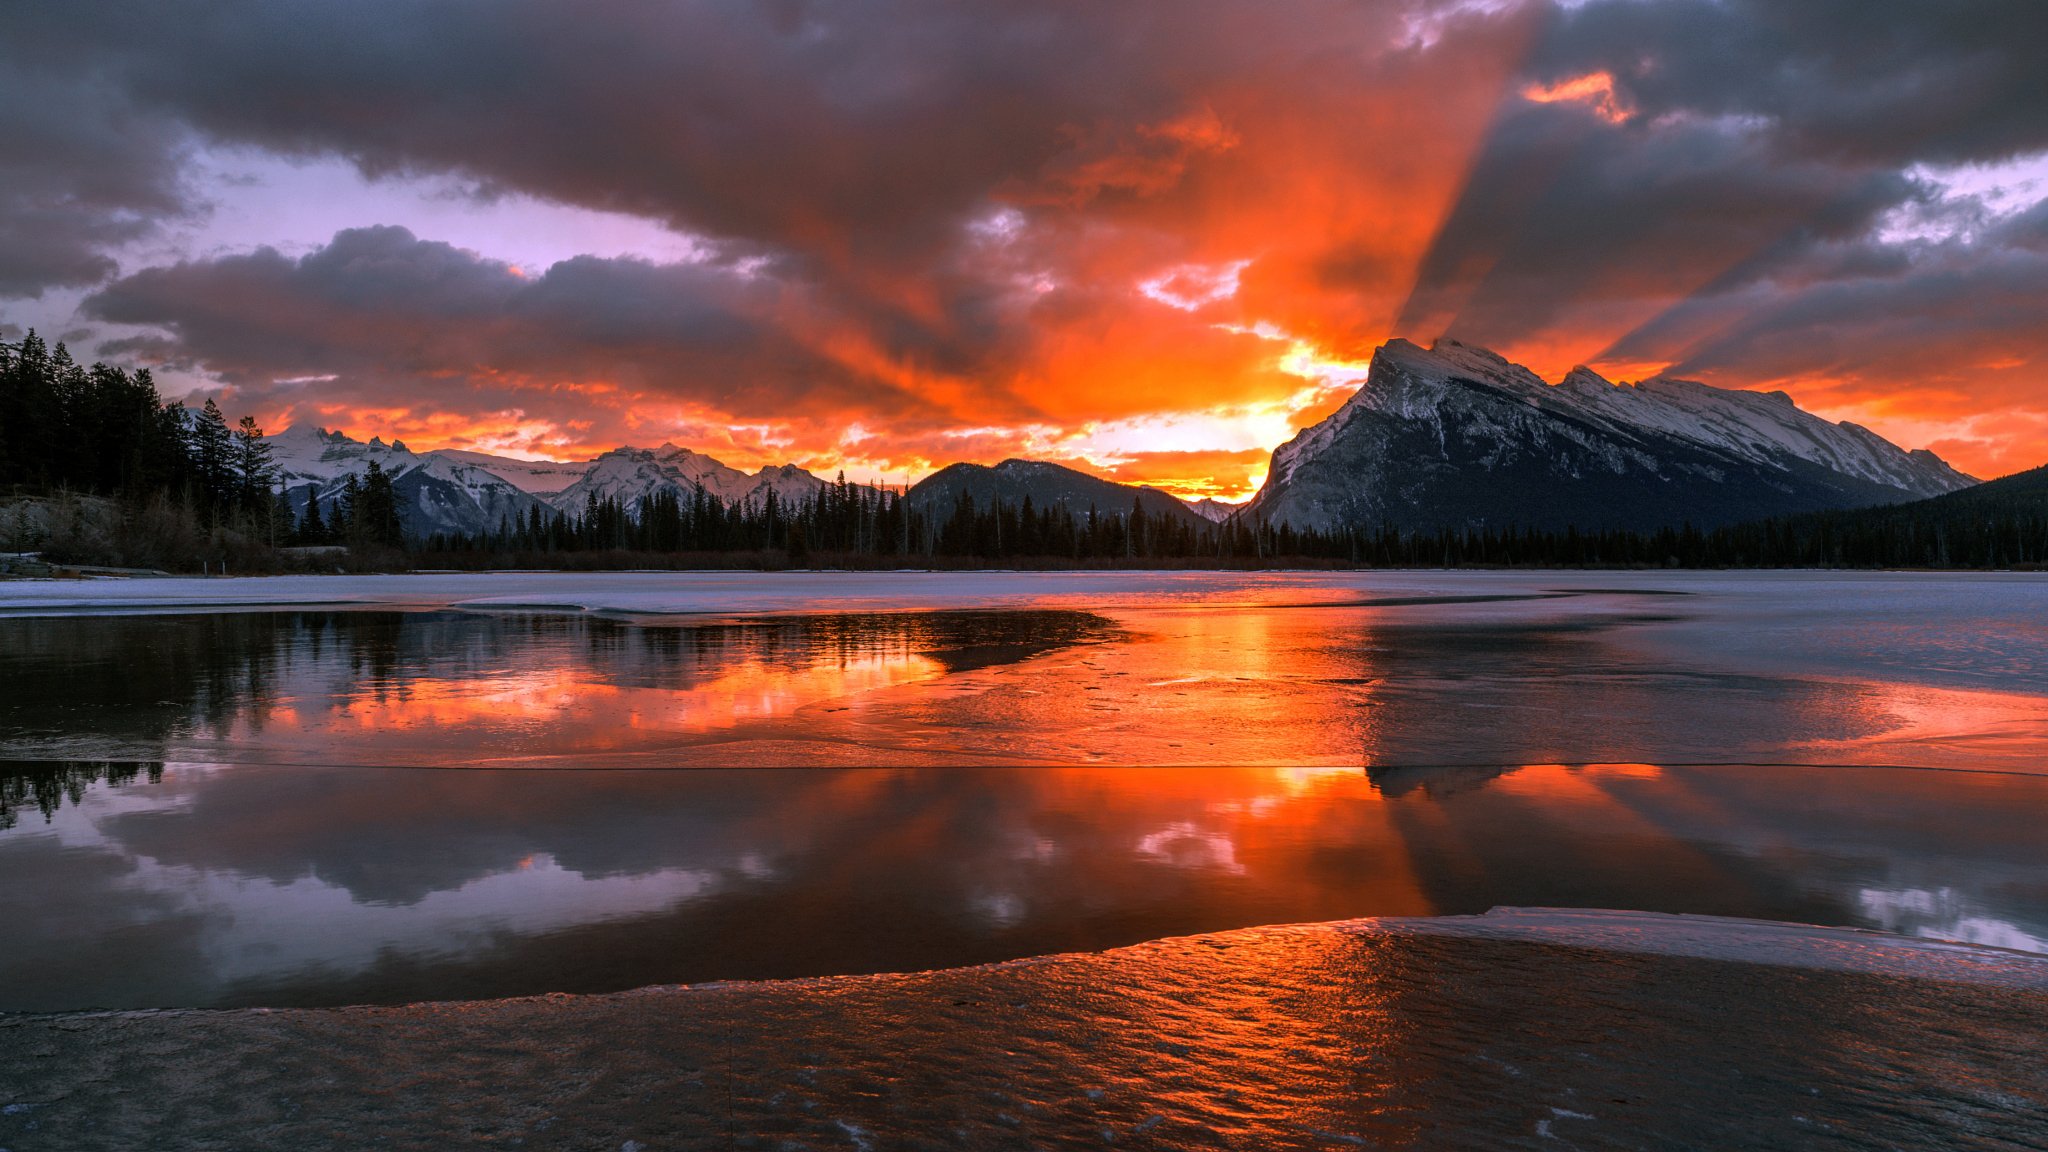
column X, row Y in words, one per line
column 1151, row 238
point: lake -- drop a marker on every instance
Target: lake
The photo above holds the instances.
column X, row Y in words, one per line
column 302, row 792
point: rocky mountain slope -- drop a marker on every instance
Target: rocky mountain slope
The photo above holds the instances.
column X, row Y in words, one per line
column 630, row 474
column 1048, row 485
column 436, row 493
column 461, row 491
column 1456, row 436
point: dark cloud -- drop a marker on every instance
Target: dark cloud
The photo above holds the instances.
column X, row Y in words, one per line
column 387, row 314
column 1710, row 185
column 1863, row 81
column 1943, row 310
column 936, row 218
column 81, row 173
column 1570, row 214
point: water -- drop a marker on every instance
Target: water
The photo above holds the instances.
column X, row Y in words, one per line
column 1305, row 1038
column 462, row 795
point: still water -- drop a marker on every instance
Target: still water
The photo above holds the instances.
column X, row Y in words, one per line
column 347, row 806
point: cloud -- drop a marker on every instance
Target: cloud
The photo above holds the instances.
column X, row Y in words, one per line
column 380, row 316
column 961, row 228
column 81, row 174
column 1745, row 192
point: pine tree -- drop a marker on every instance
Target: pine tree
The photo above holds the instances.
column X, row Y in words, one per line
column 211, row 446
column 374, row 520
column 253, row 471
column 311, row 529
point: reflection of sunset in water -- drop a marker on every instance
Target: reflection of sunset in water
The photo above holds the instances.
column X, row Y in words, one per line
column 1329, row 687
column 1921, row 724
column 569, row 710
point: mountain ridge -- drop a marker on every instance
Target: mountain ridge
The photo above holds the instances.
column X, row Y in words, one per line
column 1457, row 436
column 1047, row 485
column 1453, row 436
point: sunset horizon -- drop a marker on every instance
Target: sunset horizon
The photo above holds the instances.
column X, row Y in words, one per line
column 1153, row 248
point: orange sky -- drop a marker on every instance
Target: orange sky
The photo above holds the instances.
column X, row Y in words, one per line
column 1151, row 241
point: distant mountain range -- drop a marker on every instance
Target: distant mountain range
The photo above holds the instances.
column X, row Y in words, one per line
column 1457, row 437
column 462, row 491
column 1452, row 436
column 1046, row 485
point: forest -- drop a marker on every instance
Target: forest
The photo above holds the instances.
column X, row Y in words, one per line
column 120, row 477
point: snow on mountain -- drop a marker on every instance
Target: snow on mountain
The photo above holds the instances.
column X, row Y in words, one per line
column 435, row 493
column 789, row 482
column 308, row 455
column 540, row 477
column 630, row 474
column 1457, row 436
column 452, row 490
column 1210, row 509
column 1761, row 426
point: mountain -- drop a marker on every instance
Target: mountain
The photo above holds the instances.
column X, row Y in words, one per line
column 1455, row 436
column 1210, row 509
column 460, row 491
column 435, row 493
column 542, row 478
column 629, row 474
column 1048, row 486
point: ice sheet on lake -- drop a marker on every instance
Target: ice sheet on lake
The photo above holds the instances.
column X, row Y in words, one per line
column 1957, row 630
column 1473, row 1033
column 1748, row 941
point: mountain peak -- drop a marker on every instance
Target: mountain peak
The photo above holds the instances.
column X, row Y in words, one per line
column 1458, row 436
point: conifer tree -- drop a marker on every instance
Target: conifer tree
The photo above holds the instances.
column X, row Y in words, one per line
column 312, row 530
column 253, row 471
column 212, row 451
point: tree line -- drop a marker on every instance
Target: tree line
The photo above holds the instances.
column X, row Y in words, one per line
column 866, row 526
column 106, row 430
column 185, row 489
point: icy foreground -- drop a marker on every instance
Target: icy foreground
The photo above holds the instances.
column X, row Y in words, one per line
column 1643, row 1032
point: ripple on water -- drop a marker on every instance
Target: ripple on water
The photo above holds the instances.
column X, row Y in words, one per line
column 1304, row 1037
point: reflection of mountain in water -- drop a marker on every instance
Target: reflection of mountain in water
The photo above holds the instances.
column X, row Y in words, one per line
column 293, row 685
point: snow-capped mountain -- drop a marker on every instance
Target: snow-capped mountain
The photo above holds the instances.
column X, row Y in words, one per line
column 435, row 493
column 1211, row 509
column 540, row 477
column 631, row 474
column 451, row 490
column 1456, row 436
column 1047, row 485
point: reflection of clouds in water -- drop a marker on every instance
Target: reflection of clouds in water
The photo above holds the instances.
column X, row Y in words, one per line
column 1943, row 914
column 257, row 923
column 999, row 909
column 272, row 931
column 1185, row 845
